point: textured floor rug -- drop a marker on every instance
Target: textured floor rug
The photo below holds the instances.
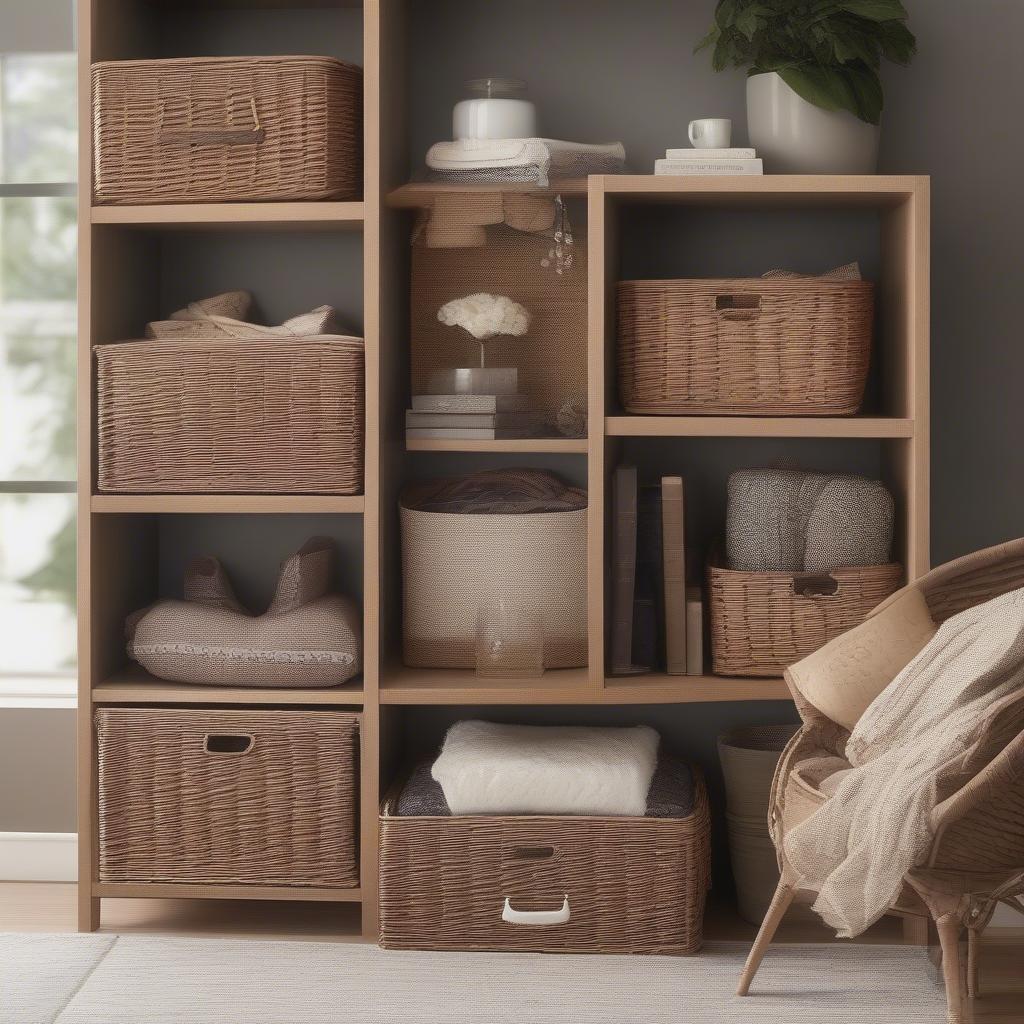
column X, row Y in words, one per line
column 73, row 979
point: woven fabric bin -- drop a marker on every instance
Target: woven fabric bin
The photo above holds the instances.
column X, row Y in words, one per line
column 231, row 416
column 770, row 347
column 227, row 796
column 453, row 563
column 226, row 129
column 762, row 622
column 634, row 885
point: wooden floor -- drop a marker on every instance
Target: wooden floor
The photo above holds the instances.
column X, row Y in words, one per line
column 48, row 907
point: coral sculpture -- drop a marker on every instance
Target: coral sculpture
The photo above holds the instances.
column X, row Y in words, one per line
column 486, row 316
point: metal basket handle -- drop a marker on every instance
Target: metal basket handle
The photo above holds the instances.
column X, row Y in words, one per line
column 535, row 917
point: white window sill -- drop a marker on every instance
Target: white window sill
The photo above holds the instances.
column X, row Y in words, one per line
column 38, row 692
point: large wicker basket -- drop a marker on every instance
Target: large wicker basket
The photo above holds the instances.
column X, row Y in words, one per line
column 761, row 622
column 453, row 563
column 762, row 346
column 634, row 885
column 231, row 416
column 226, row 129
column 227, row 796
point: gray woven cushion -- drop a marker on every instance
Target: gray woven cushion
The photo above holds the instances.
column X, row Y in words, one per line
column 788, row 521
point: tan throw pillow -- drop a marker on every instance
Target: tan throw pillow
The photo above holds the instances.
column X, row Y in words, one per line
column 844, row 677
column 307, row 637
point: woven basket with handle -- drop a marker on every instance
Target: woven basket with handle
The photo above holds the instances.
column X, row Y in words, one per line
column 573, row 884
column 260, row 797
column 763, row 346
column 763, row 621
column 226, row 129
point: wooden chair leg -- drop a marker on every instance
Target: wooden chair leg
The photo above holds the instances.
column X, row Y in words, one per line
column 973, row 989
column 780, row 904
column 949, row 936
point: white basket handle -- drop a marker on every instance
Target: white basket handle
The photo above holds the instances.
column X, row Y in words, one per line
column 535, row 917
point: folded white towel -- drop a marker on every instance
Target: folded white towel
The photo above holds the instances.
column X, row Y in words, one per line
column 485, row 768
column 524, row 159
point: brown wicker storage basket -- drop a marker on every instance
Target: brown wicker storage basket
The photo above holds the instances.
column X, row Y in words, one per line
column 760, row 346
column 634, row 885
column 762, row 622
column 231, row 796
column 226, row 129
column 452, row 563
column 231, row 416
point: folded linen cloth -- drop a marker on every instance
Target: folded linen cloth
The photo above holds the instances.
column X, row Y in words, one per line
column 522, row 160
column 486, row 768
column 916, row 745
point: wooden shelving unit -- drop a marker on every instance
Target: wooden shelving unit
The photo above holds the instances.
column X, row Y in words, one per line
column 123, row 250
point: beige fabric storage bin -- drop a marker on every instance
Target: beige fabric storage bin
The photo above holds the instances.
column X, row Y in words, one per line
column 236, row 797
column 226, row 129
column 453, row 562
column 631, row 885
column 776, row 346
column 236, row 416
column 761, row 622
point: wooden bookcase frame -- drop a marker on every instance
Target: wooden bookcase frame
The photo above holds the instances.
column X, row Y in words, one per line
column 116, row 532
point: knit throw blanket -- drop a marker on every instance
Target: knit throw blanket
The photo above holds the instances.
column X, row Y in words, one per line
column 909, row 751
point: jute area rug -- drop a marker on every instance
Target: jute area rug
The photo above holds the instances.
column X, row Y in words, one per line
column 97, row 979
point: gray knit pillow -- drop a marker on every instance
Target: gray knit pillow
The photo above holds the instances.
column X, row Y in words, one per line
column 788, row 521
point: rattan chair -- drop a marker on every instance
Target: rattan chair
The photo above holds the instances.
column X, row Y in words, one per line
column 976, row 860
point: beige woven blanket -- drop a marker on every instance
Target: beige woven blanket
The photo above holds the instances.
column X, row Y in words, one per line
column 909, row 751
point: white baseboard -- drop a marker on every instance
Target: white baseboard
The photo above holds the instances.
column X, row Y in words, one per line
column 38, row 856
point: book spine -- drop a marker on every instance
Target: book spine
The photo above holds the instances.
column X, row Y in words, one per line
column 683, row 167
column 470, row 403
column 694, row 632
column 673, row 549
column 465, row 434
column 458, row 420
column 740, row 153
column 624, row 507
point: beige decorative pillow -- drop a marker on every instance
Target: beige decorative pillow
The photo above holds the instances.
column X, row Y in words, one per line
column 845, row 676
column 308, row 637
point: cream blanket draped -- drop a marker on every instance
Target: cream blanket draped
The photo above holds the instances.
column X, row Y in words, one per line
column 908, row 753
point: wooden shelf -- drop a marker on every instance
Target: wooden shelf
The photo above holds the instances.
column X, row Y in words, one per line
column 134, row 685
column 329, row 216
column 658, row 688
column 759, row 426
column 174, row 891
column 821, row 190
column 525, row 444
column 224, row 503
column 568, row 686
column 403, row 685
column 419, row 195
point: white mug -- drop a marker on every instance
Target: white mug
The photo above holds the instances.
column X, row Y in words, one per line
column 711, row 133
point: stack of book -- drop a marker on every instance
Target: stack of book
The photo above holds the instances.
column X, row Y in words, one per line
column 472, row 404
column 709, row 161
column 657, row 620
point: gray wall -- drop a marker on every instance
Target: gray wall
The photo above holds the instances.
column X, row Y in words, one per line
column 625, row 71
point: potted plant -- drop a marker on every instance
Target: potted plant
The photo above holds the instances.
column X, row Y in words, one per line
column 814, row 99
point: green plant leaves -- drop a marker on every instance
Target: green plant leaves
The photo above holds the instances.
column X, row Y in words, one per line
column 828, row 51
column 875, row 10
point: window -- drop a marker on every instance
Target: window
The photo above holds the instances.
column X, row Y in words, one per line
column 38, row 148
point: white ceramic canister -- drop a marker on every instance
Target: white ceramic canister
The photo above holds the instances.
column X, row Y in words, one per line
column 497, row 109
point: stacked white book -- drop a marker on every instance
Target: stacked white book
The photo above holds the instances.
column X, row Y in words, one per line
column 470, row 417
column 709, row 161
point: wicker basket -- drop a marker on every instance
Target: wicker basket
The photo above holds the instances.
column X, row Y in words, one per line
column 773, row 347
column 452, row 564
column 231, row 416
column 226, row 129
column 763, row 621
column 233, row 797
column 634, row 885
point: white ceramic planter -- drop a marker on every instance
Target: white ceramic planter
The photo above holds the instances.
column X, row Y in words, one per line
column 793, row 136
